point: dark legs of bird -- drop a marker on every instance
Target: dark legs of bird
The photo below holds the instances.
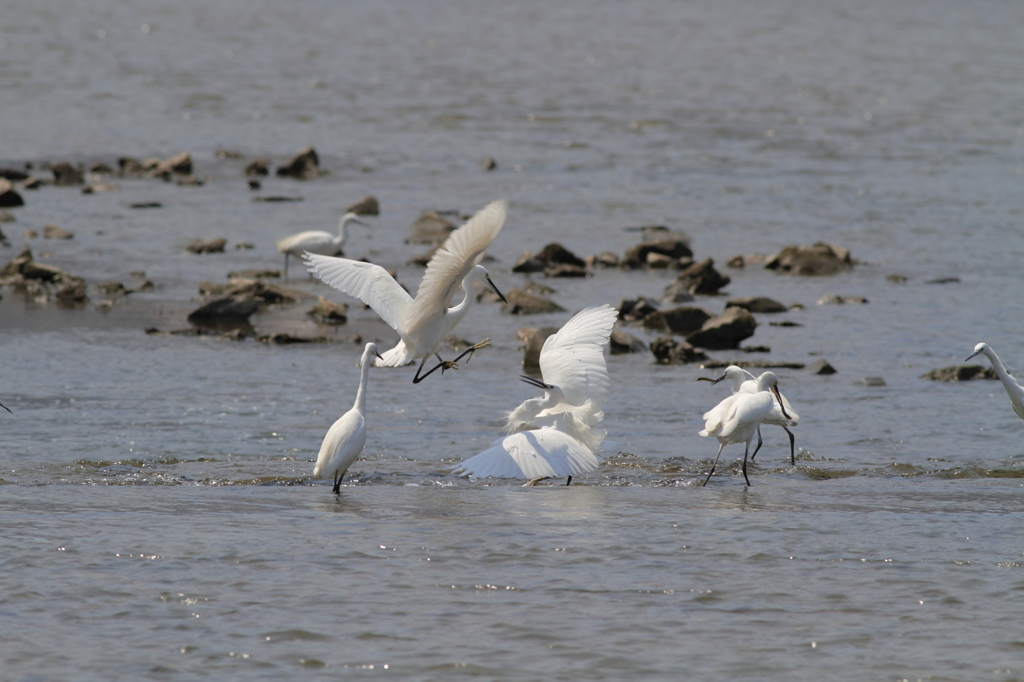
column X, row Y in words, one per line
column 745, row 451
column 337, row 482
column 720, row 448
column 758, row 444
column 792, row 447
column 569, row 482
column 448, row 364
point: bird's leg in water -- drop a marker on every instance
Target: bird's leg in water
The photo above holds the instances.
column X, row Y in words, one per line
column 569, row 482
column 720, row 448
column 792, row 447
column 758, row 444
column 337, row 482
column 745, row 451
column 448, row 364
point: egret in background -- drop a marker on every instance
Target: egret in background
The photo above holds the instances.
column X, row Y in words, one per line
column 737, row 418
column 1013, row 390
column 347, row 436
column 317, row 241
column 424, row 321
column 744, row 381
column 553, row 436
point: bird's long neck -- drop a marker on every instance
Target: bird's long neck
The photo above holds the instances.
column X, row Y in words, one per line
column 1004, row 376
column 361, row 393
column 457, row 312
column 342, row 230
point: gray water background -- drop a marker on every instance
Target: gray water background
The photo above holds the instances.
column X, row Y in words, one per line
column 158, row 517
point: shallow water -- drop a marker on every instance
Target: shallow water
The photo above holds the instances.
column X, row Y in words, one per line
column 159, row 517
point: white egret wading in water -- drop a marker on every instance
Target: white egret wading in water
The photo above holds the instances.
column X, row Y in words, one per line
column 554, row 436
column 424, row 321
column 317, row 241
column 1015, row 392
column 744, row 381
column 347, row 436
column 736, row 419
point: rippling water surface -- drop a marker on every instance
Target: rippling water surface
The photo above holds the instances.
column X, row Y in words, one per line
column 159, row 517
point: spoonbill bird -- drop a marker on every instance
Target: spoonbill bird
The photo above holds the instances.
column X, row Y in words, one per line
column 553, row 436
column 347, row 436
column 1013, row 390
column 744, row 381
column 737, row 418
column 424, row 321
column 317, row 241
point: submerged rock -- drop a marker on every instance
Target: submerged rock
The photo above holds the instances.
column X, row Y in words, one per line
column 699, row 278
column 815, row 260
column 258, row 167
column 207, row 246
column 635, row 309
column 66, row 175
column 672, row 252
column 622, row 342
column 821, row 367
column 327, row 311
column 8, row 197
column 368, row 205
column 533, row 339
column 669, row 351
column 237, row 308
column 54, row 232
column 725, row 331
column 961, row 373
column 522, row 303
column 303, row 166
column 430, row 228
column 758, row 304
column 682, row 320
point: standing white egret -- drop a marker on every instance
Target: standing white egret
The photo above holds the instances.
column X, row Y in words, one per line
column 424, row 321
column 317, row 241
column 553, row 436
column 347, row 436
column 1015, row 392
column 742, row 380
column 736, row 419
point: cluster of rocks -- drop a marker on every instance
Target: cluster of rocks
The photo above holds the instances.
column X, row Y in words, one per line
column 554, row 260
column 233, row 303
column 44, row 283
column 700, row 328
column 961, row 373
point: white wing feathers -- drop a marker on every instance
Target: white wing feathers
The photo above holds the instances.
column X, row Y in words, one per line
column 573, row 358
column 531, row 454
column 450, row 264
column 370, row 283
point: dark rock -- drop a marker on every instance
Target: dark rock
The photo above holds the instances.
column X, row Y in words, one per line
column 304, row 166
column 758, row 304
column 635, row 309
column 682, row 320
column 7, row 217
column 97, row 187
column 873, row 381
column 71, row 291
column 142, row 285
column 13, row 174
column 112, row 290
column 329, row 312
column 227, row 154
column 556, row 253
column 528, row 262
column 54, row 232
column 522, row 303
column 736, row 261
column 33, row 183
column 898, row 279
column 101, row 169
column 146, row 204
column 15, row 265
column 677, row 292
column 129, row 166
column 669, row 351
column 254, row 184
column 821, row 367
column 785, row 323
column 815, row 260
column 283, row 338
column 607, row 259
column 258, row 167
column 8, row 197
column 276, row 199
column 756, row 349
column 267, row 293
column 637, row 256
column 430, row 228
column 190, row 181
column 565, row 270
column 961, row 373
column 533, row 339
column 65, row 175
column 622, row 342
column 368, row 205
column 255, row 274
column 943, row 280
column 832, row 299
column 699, row 278
column 655, row 233
column 180, row 164
column 44, row 273
column 233, row 308
column 725, row 331
column 246, row 246
column 207, row 246
column 490, row 164
column 535, row 288
column 30, row 234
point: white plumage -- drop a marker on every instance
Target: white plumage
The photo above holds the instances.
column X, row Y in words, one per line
column 317, row 241
column 554, row 436
column 1013, row 390
column 737, row 418
column 424, row 321
column 744, row 381
column 347, row 436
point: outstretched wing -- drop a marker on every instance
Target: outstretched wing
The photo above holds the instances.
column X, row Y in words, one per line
column 450, row 264
column 531, row 454
column 573, row 358
column 370, row 283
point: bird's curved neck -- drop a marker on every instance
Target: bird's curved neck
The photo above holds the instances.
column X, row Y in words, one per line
column 360, row 403
column 1001, row 372
column 457, row 312
column 342, row 231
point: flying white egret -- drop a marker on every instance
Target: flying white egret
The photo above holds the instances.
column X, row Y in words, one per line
column 424, row 321
column 1015, row 392
column 317, row 241
column 537, row 454
column 736, row 419
column 347, row 436
column 742, row 380
column 575, row 380
column 553, row 436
